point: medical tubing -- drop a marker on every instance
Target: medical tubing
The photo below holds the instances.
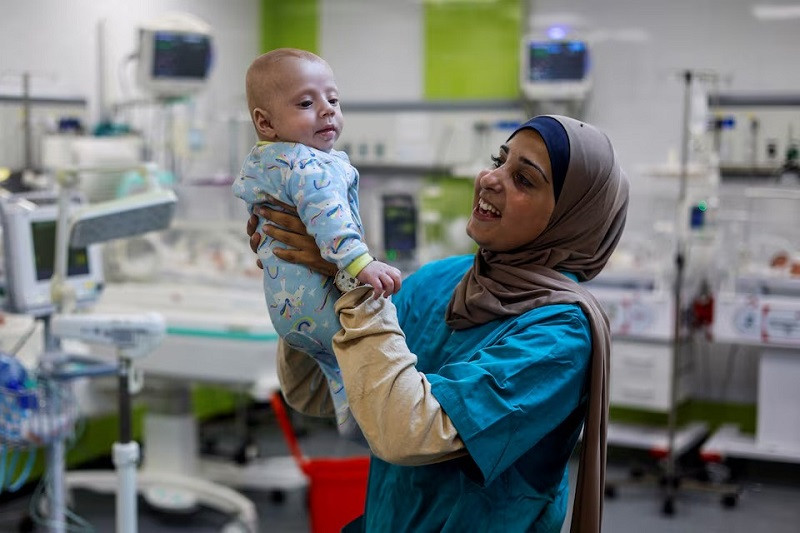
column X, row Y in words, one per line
column 22, row 478
column 22, row 340
column 80, row 524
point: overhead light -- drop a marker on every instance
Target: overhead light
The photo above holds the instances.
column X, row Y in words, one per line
column 776, row 11
column 556, row 32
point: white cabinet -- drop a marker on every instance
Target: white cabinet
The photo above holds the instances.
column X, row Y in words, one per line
column 641, row 372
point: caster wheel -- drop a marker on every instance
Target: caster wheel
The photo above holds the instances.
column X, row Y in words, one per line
column 669, row 507
column 26, row 525
column 610, row 491
column 209, row 446
column 246, row 453
column 277, row 496
column 637, row 472
column 729, row 501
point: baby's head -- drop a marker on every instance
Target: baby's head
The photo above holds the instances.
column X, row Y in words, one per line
column 292, row 96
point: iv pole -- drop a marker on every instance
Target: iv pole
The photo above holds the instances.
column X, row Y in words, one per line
column 672, row 479
column 670, row 475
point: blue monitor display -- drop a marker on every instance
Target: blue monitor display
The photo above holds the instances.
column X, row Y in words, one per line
column 181, row 55
column 557, row 61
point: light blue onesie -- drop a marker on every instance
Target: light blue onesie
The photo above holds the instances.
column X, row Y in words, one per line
column 324, row 189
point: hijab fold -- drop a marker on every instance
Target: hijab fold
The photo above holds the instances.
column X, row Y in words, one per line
column 585, row 227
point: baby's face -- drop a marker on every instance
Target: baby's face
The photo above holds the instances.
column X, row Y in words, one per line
column 306, row 107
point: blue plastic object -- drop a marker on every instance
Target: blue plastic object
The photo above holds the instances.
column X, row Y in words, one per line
column 16, row 382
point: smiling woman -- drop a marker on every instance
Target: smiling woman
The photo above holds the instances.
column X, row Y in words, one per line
column 473, row 383
column 514, row 200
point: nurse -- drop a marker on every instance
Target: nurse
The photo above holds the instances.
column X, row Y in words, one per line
column 472, row 384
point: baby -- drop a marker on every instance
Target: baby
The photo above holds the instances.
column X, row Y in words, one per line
column 294, row 105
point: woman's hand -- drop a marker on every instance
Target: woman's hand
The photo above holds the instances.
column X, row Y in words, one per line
column 304, row 249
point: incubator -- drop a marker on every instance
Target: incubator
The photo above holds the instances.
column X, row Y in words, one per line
column 758, row 305
column 636, row 290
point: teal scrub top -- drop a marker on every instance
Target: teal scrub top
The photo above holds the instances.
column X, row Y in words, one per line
column 515, row 389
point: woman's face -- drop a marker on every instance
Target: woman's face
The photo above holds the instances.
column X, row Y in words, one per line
column 514, row 200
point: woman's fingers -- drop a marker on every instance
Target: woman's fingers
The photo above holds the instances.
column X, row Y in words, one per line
column 255, row 239
column 310, row 258
column 286, row 207
column 252, row 224
column 295, row 240
column 288, row 220
column 287, row 227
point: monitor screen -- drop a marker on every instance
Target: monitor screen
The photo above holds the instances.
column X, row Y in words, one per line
column 44, row 238
column 181, row 55
column 557, row 61
column 399, row 226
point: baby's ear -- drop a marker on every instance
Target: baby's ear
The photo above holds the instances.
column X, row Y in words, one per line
column 263, row 124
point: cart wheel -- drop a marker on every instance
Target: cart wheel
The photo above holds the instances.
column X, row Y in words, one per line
column 610, row 491
column 669, row 507
column 26, row 524
column 246, row 453
column 637, row 472
column 730, row 500
column 277, row 496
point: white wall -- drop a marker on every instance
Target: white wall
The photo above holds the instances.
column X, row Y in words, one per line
column 375, row 48
column 56, row 41
column 641, row 46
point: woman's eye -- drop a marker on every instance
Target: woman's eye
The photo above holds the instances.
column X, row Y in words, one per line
column 522, row 181
column 496, row 161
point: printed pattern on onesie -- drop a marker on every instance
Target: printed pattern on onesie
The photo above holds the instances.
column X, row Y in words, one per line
column 324, row 189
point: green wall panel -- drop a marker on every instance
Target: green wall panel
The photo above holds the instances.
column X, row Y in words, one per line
column 472, row 49
column 290, row 23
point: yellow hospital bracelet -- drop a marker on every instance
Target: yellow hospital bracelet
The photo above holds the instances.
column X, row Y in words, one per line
column 359, row 263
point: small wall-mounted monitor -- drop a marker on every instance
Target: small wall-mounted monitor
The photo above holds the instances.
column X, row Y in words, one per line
column 29, row 241
column 173, row 63
column 554, row 69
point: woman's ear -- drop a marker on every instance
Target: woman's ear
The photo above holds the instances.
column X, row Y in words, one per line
column 263, row 124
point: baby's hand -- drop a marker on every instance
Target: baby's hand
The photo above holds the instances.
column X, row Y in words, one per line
column 385, row 279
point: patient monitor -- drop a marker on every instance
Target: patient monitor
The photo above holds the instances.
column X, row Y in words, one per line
column 552, row 69
column 175, row 54
column 29, row 237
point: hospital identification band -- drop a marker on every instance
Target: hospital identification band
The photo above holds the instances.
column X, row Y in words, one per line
column 358, row 264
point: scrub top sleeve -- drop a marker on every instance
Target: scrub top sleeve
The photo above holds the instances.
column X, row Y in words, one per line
column 512, row 393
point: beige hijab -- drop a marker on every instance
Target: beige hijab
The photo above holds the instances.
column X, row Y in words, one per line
column 586, row 225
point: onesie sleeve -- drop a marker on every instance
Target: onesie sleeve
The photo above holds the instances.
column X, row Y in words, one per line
column 319, row 188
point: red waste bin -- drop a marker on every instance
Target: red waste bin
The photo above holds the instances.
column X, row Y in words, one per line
column 337, row 486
